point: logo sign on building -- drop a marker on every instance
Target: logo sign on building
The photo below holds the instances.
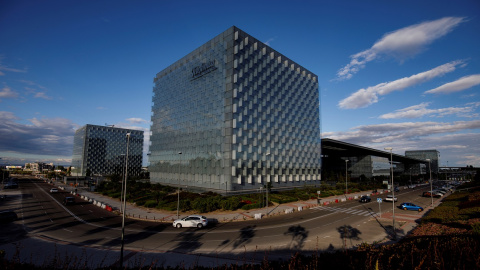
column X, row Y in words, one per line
column 203, row 69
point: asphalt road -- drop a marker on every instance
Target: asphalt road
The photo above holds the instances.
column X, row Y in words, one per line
column 344, row 225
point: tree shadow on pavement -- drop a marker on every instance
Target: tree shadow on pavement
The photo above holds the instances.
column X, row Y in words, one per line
column 246, row 235
column 299, row 235
column 347, row 232
column 189, row 241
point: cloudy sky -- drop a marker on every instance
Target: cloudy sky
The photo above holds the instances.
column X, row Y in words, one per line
column 401, row 74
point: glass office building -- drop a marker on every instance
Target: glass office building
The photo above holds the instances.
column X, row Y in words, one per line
column 433, row 155
column 101, row 150
column 233, row 116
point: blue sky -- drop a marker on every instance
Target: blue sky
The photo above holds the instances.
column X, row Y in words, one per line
column 401, row 74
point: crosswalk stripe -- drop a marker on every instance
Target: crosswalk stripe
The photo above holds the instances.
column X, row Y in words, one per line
column 346, row 210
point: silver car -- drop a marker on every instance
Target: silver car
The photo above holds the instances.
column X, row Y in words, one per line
column 191, row 221
column 390, row 198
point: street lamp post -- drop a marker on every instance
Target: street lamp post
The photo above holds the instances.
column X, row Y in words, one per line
column 431, row 186
column 393, row 191
column 346, row 178
column 123, row 175
column 124, row 202
column 178, row 192
column 261, row 194
column 266, row 186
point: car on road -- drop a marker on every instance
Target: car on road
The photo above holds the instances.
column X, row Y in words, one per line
column 8, row 216
column 10, row 185
column 396, row 189
column 411, row 206
column 390, row 198
column 365, row 199
column 53, row 190
column 191, row 221
column 69, row 201
column 428, row 194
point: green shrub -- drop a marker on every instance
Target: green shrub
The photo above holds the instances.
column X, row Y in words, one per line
column 150, row 204
column 230, row 203
column 476, row 228
column 251, row 206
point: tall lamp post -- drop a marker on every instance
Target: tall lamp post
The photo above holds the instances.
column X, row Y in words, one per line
column 431, row 186
column 124, row 202
column 268, row 182
column 393, row 191
column 123, row 176
column 178, row 192
column 346, row 177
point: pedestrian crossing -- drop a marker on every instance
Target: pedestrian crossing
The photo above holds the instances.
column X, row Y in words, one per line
column 346, row 211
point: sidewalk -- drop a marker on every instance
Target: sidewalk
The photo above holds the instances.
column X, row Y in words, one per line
column 133, row 211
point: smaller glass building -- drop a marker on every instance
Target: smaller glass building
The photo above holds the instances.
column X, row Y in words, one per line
column 433, row 155
column 101, row 150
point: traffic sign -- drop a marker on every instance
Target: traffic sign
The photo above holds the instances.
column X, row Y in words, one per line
column 379, row 200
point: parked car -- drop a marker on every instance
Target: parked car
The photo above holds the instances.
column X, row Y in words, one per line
column 438, row 192
column 427, row 194
column 191, row 221
column 53, row 190
column 7, row 216
column 10, row 185
column 411, row 206
column 365, row 199
column 390, row 198
column 69, row 201
column 412, row 186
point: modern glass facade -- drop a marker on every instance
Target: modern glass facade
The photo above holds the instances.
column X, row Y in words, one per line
column 433, row 155
column 234, row 115
column 101, row 150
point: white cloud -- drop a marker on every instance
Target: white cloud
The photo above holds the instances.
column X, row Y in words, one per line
column 42, row 95
column 365, row 97
column 4, row 68
column 269, row 41
column 420, row 110
column 137, row 120
column 6, row 92
column 47, row 136
column 401, row 44
column 457, row 86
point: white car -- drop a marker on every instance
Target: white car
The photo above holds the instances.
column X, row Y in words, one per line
column 53, row 190
column 191, row 221
column 390, row 198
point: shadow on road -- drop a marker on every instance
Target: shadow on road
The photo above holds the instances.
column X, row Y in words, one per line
column 298, row 234
column 347, row 232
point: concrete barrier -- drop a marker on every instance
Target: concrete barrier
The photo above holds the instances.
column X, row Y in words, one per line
column 344, row 200
column 288, row 210
column 258, row 216
column 300, row 208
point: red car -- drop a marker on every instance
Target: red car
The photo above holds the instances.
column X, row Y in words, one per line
column 427, row 194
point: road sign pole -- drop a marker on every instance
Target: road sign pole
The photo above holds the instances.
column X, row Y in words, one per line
column 379, row 200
